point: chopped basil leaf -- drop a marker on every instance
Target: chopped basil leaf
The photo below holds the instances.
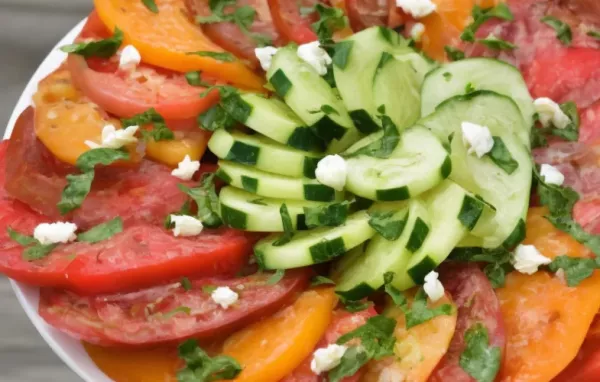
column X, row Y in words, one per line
column 258, row 201
column 321, row 280
column 79, row 185
column 200, row 367
column 419, row 312
column 328, row 215
column 353, row 359
column 385, row 225
column 397, row 296
column 383, row 147
column 569, row 133
column 576, row 269
column 454, row 54
column 151, row 5
column 570, row 226
column 224, row 91
column 209, row 288
column 502, row 157
column 480, row 16
column 159, row 132
column 469, row 88
column 288, row 227
column 276, row 277
column 184, row 210
column 325, row 109
column 496, row 43
column 102, row 48
column 594, row 34
column 498, row 259
column 186, row 284
column 23, row 240
column 206, row 199
column 480, row 360
column 330, row 20
column 563, row 30
column 179, row 309
column 356, row 306
column 102, row 231
column 447, row 76
column 215, row 118
column 34, row 250
column 218, row 56
column 195, row 79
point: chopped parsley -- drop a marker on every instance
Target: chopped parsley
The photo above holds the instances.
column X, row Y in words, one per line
column 496, row 43
column 576, row 269
column 101, row 48
column 206, row 199
column 383, row 147
column 479, row 359
column 480, row 16
column 215, row 118
column 563, row 30
column 502, row 157
column 569, row 133
column 498, row 261
column 454, row 54
column 159, row 131
column 330, row 20
column 288, row 227
column 328, row 215
column 200, row 367
column 386, row 225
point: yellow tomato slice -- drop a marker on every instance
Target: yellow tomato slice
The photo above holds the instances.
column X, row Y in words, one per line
column 172, row 152
column 164, row 39
column 418, row 349
column 545, row 320
column 65, row 119
column 271, row 349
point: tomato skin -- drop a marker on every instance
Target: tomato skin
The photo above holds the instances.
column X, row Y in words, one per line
column 290, row 23
column 138, row 318
column 367, row 13
column 586, row 365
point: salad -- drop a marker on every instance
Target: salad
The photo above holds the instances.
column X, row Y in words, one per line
column 344, row 190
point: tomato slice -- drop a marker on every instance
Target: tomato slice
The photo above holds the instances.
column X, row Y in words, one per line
column 541, row 313
column 165, row 39
column 367, row 13
column 229, row 36
column 271, row 349
column 191, row 143
column 341, row 323
column 418, row 349
column 291, row 23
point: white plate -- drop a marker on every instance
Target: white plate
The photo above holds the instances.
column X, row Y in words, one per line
column 68, row 349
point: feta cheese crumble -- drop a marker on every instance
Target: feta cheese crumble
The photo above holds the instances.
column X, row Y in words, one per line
column 130, row 58
column 224, row 296
column 52, row 233
column 314, row 55
column 417, row 8
column 186, row 225
column 115, row 139
column 186, row 168
column 477, row 138
column 265, row 56
column 550, row 113
column 527, row 259
column 433, row 287
column 552, row 175
column 325, row 359
column 416, row 32
column 332, row 171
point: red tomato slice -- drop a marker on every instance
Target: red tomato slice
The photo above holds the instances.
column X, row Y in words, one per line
column 290, row 22
column 477, row 303
column 126, row 93
column 229, row 36
column 367, row 13
column 342, row 322
column 151, row 316
column 586, row 365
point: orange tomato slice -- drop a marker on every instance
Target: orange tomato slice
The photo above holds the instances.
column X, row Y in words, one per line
column 271, row 349
column 192, row 143
column 164, row 39
column 545, row 320
column 418, row 349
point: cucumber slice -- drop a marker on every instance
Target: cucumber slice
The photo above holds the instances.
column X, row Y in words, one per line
column 508, row 193
column 364, row 274
column 354, row 65
column 275, row 186
column 246, row 211
column 314, row 246
column 307, row 94
column 418, row 163
column 263, row 153
column 483, row 74
column 449, row 207
column 421, row 64
column 396, row 87
column 272, row 118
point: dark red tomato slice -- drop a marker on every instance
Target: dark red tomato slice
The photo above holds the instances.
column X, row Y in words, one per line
column 168, row 313
column 586, row 365
column 291, row 23
column 342, row 322
column 367, row 13
column 128, row 92
column 477, row 303
column 229, row 36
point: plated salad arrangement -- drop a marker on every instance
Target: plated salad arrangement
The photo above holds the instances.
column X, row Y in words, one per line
column 274, row 190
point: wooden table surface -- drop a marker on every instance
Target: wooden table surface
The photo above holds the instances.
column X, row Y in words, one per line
column 28, row 30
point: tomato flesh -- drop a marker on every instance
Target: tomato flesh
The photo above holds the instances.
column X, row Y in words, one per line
column 290, row 22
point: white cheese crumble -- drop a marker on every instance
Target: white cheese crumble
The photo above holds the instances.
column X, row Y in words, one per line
column 186, row 225
column 186, row 168
column 325, row 359
column 552, row 175
column 224, row 296
column 433, row 287
column 416, row 32
column 332, row 171
column 550, row 113
column 417, row 8
column 314, row 55
column 52, row 233
column 527, row 259
column 477, row 138
column 265, row 56
column 115, row 139
column 130, row 58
